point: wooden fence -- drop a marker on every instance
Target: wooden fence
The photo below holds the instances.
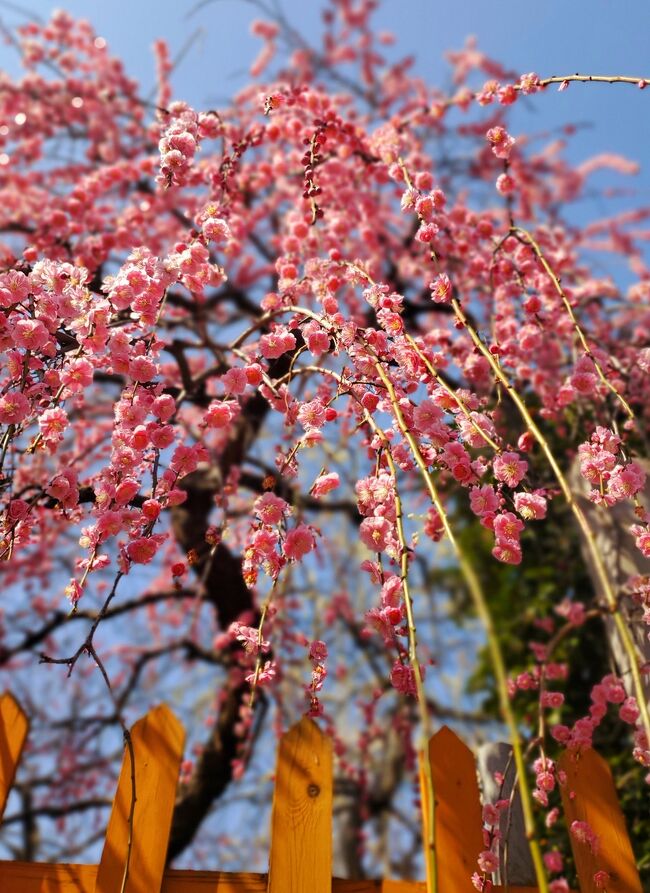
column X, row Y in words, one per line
column 301, row 825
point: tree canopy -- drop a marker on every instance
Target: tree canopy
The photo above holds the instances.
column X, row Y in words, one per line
column 315, row 402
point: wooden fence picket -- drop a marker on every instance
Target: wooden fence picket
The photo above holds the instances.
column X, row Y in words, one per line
column 301, row 823
column 458, row 820
column 13, row 732
column 158, row 746
column 589, row 796
column 301, row 827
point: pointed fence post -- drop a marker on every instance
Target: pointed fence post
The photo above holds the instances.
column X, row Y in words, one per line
column 516, row 864
column 458, row 818
column 158, row 746
column 13, row 733
column 589, row 796
column 301, row 824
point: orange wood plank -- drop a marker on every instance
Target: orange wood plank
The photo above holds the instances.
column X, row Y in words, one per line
column 301, row 823
column 158, row 744
column 589, row 796
column 13, row 732
column 403, row 887
column 428, row 840
column 43, row 877
column 458, row 818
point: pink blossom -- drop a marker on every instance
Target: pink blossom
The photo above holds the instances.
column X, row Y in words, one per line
column 573, row 611
column 583, row 833
column 299, row 542
column 505, row 184
column 161, row 436
column 509, row 468
column 14, row 287
column 164, row 407
column 629, row 711
column 126, row 490
column 507, row 528
column 440, row 289
column 500, row 141
column 625, row 481
column 17, row 510
column 14, row 408
column 507, row 552
column 277, row 342
column 250, row 638
column 529, row 83
column 220, row 413
column 531, row 506
column 553, row 861
column 427, row 416
column 325, row 483
column 263, row 543
column 318, row 651
column 488, row 862
column 216, row 229
column 186, row 458
column 318, row 342
column 266, row 675
column 483, row 500
column 433, row 525
column 551, row 699
column 375, row 533
column 141, row 550
column 271, row 508
column 642, row 537
column 73, row 592
column 482, row 884
column 402, row 678
column 142, row 369
column 30, row 334
column 312, row 415
column 426, row 233
column 77, row 375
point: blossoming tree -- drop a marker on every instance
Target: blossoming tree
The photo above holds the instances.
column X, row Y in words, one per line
column 282, row 385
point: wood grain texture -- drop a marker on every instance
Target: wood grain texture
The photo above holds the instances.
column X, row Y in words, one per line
column 458, row 818
column 589, row 796
column 301, row 823
column 158, row 745
column 43, row 877
column 13, row 733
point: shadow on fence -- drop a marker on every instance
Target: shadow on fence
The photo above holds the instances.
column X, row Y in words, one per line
column 301, row 826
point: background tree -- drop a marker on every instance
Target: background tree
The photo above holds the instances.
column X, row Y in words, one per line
column 295, row 387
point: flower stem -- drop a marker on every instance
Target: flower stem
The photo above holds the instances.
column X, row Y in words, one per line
column 483, row 611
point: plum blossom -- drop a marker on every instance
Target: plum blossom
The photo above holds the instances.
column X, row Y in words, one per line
column 441, row 289
column 402, row 678
column 299, row 542
column 277, row 342
column 500, row 141
column 14, row 408
column 509, row 468
column 531, row 506
column 375, row 533
column 325, row 483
